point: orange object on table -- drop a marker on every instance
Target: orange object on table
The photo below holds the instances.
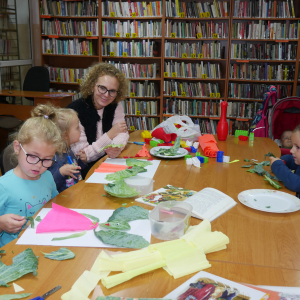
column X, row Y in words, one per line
column 143, row 152
column 209, row 145
column 109, row 168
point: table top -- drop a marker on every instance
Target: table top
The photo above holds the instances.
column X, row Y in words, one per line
column 262, row 249
column 17, row 93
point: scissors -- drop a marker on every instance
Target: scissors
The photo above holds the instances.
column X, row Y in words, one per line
column 47, row 294
column 137, row 143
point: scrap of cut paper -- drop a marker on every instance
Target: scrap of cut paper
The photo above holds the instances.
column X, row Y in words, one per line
column 179, row 258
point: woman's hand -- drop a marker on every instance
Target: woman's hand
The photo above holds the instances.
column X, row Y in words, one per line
column 69, row 170
column 272, row 159
column 119, row 127
column 113, row 152
column 12, row 223
column 82, row 156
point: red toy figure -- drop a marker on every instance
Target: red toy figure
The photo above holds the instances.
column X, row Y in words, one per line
column 222, row 128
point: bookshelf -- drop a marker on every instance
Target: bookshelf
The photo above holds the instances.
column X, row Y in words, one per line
column 181, row 57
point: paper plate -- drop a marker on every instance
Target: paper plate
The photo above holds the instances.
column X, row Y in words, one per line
column 182, row 151
column 269, row 201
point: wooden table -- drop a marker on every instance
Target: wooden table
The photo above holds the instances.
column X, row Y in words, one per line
column 263, row 247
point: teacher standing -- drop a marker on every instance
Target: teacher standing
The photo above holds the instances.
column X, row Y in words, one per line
column 101, row 115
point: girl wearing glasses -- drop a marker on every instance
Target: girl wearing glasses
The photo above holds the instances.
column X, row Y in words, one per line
column 25, row 189
column 101, row 116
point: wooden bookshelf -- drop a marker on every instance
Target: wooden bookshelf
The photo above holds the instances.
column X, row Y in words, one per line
column 224, row 82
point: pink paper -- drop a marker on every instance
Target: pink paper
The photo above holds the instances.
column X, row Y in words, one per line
column 60, row 218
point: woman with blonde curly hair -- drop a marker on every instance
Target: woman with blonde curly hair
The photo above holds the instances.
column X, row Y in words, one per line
column 101, row 116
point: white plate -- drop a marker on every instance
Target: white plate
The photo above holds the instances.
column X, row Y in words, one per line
column 182, row 151
column 269, row 201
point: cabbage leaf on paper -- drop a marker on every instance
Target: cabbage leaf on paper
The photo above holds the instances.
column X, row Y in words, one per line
column 120, row 189
column 61, row 254
column 125, row 173
column 116, row 225
column 131, row 162
column 127, row 214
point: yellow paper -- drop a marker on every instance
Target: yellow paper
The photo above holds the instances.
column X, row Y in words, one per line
column 210, row 241
column 114, row 280
column 131, row 254
column 170, row 252
column 197, row 231
column 17, row 288
column 75, row 294
column 163, row 244
column 96, row 266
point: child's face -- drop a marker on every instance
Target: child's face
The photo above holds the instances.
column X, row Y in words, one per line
column 37, row 148
column 295, row 151
column 74, row 131
column 286, row 139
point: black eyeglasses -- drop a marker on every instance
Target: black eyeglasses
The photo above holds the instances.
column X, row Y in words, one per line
column 33, row 160
column 102, row 90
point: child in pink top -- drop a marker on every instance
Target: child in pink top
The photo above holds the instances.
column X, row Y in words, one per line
column 101, row 116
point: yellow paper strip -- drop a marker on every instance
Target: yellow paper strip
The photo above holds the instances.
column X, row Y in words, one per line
column 195, row 234
column 232, row 161
column 170, row 252
column 131, row 254
column 154, row 247
column 210, row 241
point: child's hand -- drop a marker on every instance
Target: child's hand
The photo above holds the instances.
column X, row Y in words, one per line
column 69, row 170
column 82, row 156
column 12, row 223
column 272, row 159
column 113, row 152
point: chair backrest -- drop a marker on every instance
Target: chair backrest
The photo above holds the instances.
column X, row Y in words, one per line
column 9, row 122
column 37, row 79
column 6, row 162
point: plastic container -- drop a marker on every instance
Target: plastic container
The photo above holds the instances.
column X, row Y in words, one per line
column 170, row 220
column 143, row 185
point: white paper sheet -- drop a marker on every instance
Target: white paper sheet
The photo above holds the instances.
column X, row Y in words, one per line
column 30, row 237
column 100, row 177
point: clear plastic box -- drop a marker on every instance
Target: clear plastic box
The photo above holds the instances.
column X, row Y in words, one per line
column 144, row 185
column 170, row 220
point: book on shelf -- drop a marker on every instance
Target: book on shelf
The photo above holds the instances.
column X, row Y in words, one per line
column 264, row 9
column 139, row 107
column 143, row 89
column 141, row 123
column 209, row 203
column 204, row 285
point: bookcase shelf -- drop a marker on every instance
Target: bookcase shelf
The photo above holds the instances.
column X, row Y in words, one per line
column 186, row 64
column 71, row 36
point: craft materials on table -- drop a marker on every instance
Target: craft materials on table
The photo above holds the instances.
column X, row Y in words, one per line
column 209, row 145
column 100, row 177
column 30, row 237
column 47, row 294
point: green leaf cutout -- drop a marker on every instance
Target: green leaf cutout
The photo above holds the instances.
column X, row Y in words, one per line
column 247, row 166
column 112, row 146
column 120, row 189
column 38, row 219
column 95, row 219
column 61, row 254
column 251, row 171
column 31, row 221
column 116, row 225
column 23, row 263
column 269, row 154
column 2, row 251
column 75, row 235
column 14, row 296
column 131, row 213
column 121, row 239
column 125, row 173
column 273, row 183
column 246, row 159
column 132, row 162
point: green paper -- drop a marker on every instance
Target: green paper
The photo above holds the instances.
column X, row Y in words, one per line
column 14, row 296
column 95, row 219
column 61, row 254
column 133, row 162
column 2, row 251
column 112, row 146
column 23, row 263
column 31, row 221
column 273, row 183
column 120, row 189
column 127, row 214
column 116, row 225
column 75, row 235
column 38, row 219
column 121, row 239
column 247, row 166
column 125, row 173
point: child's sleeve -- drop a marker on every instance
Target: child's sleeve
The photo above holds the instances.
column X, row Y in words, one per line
column 289, row 161
column 289, row 179
column 58, row 180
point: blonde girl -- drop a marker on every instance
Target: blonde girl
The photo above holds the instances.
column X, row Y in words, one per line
column 26, row 188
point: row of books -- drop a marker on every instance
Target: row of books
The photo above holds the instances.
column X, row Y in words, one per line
column 209, row 108
column 67, row 47
column 66, row 75
column 265, row 30
column 129, row 49
column 191, row 89
column 136, row 107
column 199, row 49
column 272, row 51
column 132, row 28
column 71, row 9
column 256, row 91
column 6, row 47
column 264, row 9
column 137, row 70
column 135, row 9
column 70, row 28
column 262, row 71
column 197, row 9
column 143, row 89
column 192, row 70
column 184, row 29
column 141, row 123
